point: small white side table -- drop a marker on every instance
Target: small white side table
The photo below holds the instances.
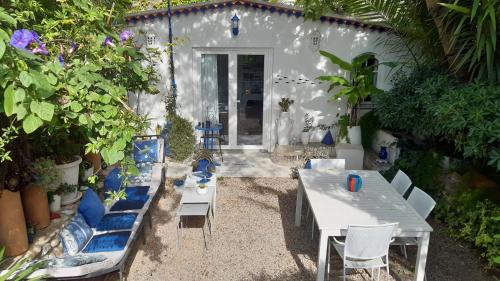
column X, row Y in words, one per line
column 192, row 210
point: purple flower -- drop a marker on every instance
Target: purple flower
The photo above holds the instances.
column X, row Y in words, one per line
column 125, row 35
column 109, row 42
column 36, row 37
column 61, row 60
column 21, row 38
column 72, row 48
column 40, row 49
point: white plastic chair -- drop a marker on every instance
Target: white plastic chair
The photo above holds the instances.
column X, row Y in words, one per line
column 423, row 204
column 365, row 247
column 327, row 164
column 324, row 164
column 401, row 182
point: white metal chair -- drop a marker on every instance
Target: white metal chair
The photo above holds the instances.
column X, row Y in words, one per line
column 365, row 247
column 324, row 164
column 401, row 182
column 423, row 204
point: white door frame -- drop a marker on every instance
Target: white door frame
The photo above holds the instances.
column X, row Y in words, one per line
column 232, row 53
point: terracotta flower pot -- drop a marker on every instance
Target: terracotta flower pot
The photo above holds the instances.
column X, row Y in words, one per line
column 13, row 233
column 95, row 159
column 36, row 206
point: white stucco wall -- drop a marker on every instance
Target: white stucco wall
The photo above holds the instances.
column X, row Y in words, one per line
column 287, row 38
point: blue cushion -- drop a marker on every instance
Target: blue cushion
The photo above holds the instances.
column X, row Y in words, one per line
column 126, row 205
column 109, row 242
column 118, row 221
column 203, row 165
column 137, row 193
column 79, row 220
column 91, row 208
column 113, row 180
column 74, row 238
column 308, row 165
column 146, row 151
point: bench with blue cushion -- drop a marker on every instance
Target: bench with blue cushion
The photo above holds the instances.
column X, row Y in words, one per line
column 99, row 238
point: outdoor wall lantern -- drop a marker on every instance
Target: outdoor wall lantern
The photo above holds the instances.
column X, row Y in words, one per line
column 235, row 24
column 315, row 42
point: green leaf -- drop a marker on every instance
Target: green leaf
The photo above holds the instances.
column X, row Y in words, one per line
column 111, row 156
column 2, row 48
column 82, row 119
column 336, row 60
column 8, row 103
column 31, row 123
column 44, row 110
column 25, row 79
column 76, row 106
column 456, row 8
column 42, row 84
column 3, row 35
column 6, row 18
column 19, row 95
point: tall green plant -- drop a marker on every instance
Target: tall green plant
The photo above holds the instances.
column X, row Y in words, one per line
column 181, row 138
column 475, row 37
column 358, row 88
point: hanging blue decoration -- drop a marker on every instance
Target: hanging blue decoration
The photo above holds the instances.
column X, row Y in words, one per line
column 328, row 138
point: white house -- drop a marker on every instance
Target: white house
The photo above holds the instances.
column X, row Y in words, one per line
column 238, row 80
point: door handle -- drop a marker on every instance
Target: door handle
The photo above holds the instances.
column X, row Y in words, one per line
column 238, row 101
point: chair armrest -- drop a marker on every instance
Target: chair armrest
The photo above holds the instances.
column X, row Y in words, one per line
column 337, row 241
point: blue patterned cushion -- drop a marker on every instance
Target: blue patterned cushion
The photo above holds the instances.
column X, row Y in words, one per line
column 74, row 236
column 73, row 261
column 126, row 205
column 79, row 220
column 118, row 221
column 308, row 165
column 146, row 151
column 145, row 173
column 109, row 242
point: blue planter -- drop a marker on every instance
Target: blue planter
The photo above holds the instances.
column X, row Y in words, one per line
column 382, row 154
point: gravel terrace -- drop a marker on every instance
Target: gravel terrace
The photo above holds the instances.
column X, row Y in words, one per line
column 255, row 239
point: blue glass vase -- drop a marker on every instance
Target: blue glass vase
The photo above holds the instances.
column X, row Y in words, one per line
column 382, row 154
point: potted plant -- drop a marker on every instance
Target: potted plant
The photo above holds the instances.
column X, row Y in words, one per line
column 356, row 89
column 306, row 131
column 284, row 122
column 34, row 195
column 86, row 170
column 68, row 192
column 13, row 233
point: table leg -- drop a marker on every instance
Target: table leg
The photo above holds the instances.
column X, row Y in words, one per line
column 323, row 243
column 298, row 204
column 423, row 246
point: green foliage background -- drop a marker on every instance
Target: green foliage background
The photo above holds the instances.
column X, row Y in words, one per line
column 86, row 100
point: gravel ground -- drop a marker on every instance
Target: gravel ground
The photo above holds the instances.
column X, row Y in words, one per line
column 255, row 239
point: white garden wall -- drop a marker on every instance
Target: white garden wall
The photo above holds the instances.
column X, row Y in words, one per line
column 286, row 38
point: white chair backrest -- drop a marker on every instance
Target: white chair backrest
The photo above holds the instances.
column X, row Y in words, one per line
column 401, row 182
column 421, row 202
column 325, row 164
column 368, row 241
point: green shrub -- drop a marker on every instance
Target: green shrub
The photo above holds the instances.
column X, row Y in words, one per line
column 181, row 139
column 369, row 125
column 404, row 107
column 472, row 217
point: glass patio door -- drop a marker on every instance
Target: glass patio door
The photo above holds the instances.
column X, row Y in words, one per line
column 232, row 95
column 250, row 99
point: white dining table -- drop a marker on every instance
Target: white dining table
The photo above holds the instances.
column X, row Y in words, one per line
column 377, row 202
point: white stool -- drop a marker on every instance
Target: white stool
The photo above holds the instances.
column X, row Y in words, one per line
column 193, row 210
column 352, row 153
